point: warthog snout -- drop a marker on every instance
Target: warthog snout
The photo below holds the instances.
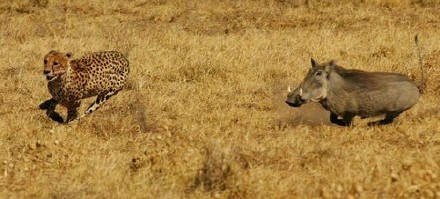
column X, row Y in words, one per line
column 294, row 97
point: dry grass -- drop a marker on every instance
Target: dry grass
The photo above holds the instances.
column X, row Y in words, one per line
column 204, row 114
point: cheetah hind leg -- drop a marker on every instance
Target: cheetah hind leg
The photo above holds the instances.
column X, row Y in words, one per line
column 49, row 105
column 99, row 101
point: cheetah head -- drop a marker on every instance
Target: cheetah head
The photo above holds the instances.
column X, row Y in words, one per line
column 55, row 64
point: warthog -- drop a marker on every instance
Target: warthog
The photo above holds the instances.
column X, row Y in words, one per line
column 349, row 92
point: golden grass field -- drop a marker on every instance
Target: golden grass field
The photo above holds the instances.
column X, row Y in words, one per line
column 203, row 113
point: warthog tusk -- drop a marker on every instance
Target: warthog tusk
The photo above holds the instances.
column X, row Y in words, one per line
column 300, row 92
column 289, row 89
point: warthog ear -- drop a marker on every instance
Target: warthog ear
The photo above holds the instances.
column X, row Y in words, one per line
column 332, row 62
column 314, row 63
column 69, row 54
column 330, row 66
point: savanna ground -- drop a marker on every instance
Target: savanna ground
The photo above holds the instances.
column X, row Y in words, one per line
column 203, row 114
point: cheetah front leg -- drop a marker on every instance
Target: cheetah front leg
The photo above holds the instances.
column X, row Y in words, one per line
column 50, row 105
column 72, row 111
column 99, row 101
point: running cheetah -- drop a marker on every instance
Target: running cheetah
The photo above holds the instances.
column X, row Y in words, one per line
column 100, row 74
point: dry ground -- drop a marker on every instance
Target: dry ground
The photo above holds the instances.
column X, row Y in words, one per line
column 203, row 114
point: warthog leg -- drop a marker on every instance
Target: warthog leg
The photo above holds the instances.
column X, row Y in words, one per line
column 50, row 105
column 345, row 121
column 389, row 117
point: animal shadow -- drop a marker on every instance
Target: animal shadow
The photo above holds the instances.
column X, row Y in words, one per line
column 50, row 112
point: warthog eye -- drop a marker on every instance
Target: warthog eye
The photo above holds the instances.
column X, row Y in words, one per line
column 318, row 73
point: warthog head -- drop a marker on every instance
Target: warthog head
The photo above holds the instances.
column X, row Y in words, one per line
column 315, row 85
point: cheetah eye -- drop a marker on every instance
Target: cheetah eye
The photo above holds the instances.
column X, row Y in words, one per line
column 45, row 61
column 55, row 63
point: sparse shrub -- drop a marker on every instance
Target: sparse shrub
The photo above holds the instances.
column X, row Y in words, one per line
column 216, row 171
column 382, row 3
column 200, row 71
column 27, row 6
column 426, row 3
column 432, row 71
column 40, row 3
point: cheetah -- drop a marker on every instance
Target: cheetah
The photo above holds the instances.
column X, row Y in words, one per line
column 101, row 74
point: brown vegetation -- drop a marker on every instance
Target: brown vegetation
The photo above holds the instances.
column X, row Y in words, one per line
column 203, row 114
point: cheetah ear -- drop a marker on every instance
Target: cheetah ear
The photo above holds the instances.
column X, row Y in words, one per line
column 68, row 54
